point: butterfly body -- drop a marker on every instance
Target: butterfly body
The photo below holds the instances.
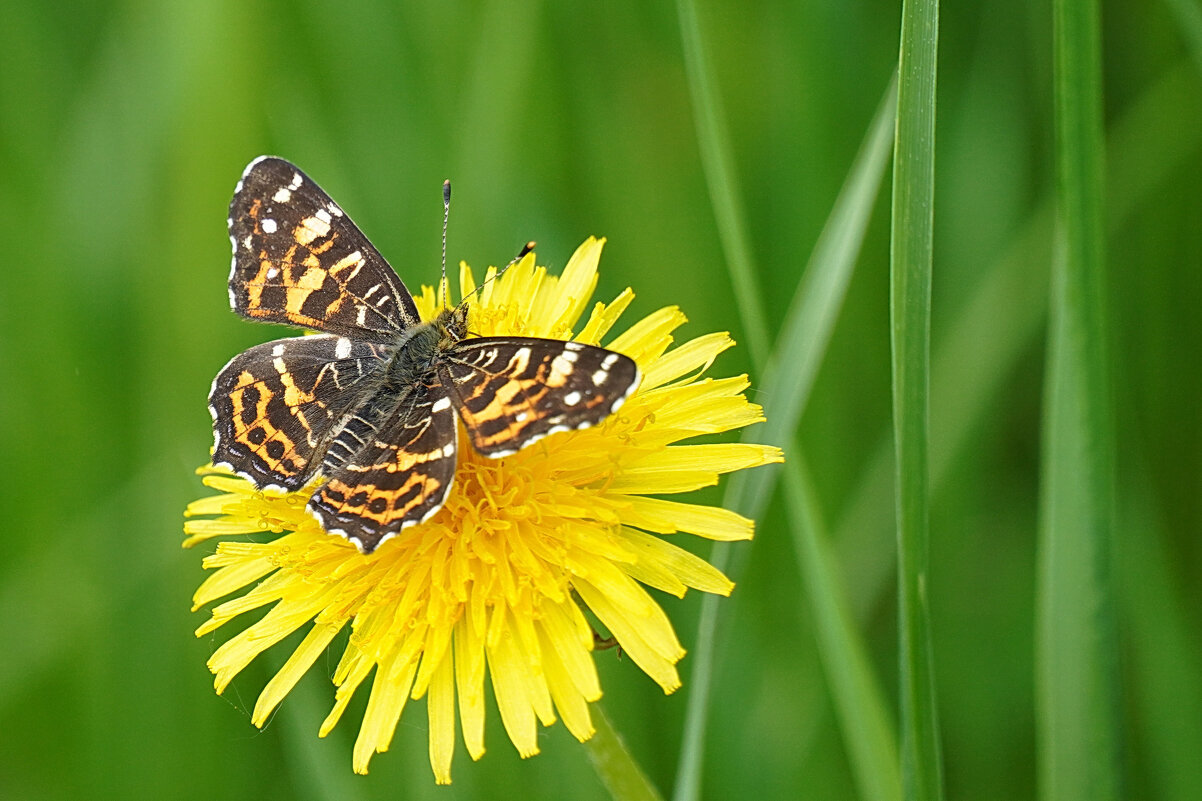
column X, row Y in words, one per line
column 371, row 404
column 421, row 348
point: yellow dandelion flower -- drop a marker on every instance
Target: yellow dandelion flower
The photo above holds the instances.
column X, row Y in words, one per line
column 494, row 586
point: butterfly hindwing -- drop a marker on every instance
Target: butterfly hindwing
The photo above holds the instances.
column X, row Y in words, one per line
column 371, row 404
column 511, row 391
column 298, row 259
column 276, row 405
column 398, row 476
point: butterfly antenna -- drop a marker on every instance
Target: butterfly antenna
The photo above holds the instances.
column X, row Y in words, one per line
column 526, row 248
column 446, row 216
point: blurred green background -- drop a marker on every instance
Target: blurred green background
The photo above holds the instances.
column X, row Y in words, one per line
column 123, row 128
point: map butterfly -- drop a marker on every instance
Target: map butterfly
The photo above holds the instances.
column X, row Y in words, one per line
column 371, row 403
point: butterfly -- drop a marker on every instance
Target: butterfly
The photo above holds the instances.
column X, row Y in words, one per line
column 371, row 403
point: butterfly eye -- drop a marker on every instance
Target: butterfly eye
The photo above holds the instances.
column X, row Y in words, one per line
column 458, row 324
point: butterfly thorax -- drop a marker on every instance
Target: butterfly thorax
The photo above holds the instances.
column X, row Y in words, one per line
column 414, row 357
column 419, row 348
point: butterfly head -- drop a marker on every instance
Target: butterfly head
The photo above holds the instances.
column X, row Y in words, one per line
column 451, row 324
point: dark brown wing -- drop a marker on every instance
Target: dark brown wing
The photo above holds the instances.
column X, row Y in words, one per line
column 298, row 259
column 397, row 474
column 511, row 391
column 276, row 405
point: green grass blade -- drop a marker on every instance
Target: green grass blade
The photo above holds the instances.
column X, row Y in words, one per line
column 696, row 715
column 867, row 726
column 1076, row 658
column 614, row 764
column 797, row 354
column 718, row 165
column 801, row 345
column 717, row 160
column 1152, row 139
column 910, row 278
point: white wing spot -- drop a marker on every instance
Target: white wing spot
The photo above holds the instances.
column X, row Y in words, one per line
column 278, row 350
column 600, row 377
column 342, row 348
column 521, row 417
column 448, row 449
column 609, row 361
column 573, row 346
column 246, row 242
column 442, row 404
column 311, row 229
column 272, row 272
column 572, row 398
column 323, row 215
column 296, row 181
column 561, row 368
column 337, row 212
column 520, row 360
column 282, row 195
column 268, row 226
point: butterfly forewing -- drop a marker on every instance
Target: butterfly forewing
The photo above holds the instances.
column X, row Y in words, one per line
column 511, row 391
column 298, row 259
column 399, row 475
column 371, row 405
column 276, row 405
